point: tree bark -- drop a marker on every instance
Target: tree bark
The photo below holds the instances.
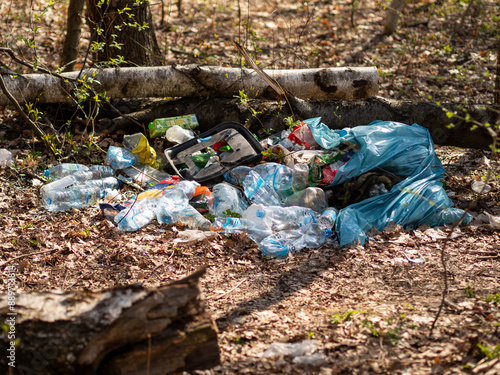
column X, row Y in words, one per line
column 496, row 98
column 392, row 16
column 123, row 29
column 336, row 114
column 199, row 81
column 73, row 31
column 127, row 330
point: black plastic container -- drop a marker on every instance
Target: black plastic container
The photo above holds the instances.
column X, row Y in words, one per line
column 245, row 150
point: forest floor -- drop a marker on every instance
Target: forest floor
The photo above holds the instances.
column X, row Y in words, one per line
column 363, row 309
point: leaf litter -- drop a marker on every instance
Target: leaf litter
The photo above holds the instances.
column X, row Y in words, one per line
column 367, row 309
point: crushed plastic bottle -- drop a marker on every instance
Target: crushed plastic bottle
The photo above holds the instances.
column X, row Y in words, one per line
column 73, row 197
column 119, row 157
column 177, row 134
column 281, row 243
column 258, row 191
column 64, row 169
column 225, row 198
column 311, row 197
column 236, row 175
column 136, row 216
column 328, row 217
column 278, row 218
column 300, row 177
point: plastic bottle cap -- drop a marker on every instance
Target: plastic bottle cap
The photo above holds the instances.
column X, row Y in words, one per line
column 46, row 173
column 175, row 177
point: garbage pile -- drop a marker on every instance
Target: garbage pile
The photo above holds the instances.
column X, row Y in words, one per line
column 293, row 190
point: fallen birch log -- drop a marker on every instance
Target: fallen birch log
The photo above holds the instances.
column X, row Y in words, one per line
column 128, row 330
column 195, row 81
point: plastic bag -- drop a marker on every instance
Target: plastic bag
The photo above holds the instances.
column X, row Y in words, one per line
column 402, row 150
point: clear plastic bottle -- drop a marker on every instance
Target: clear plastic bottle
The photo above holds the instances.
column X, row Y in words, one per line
column 226, row 197
column 258, row 191
column 281, row 243
column 311, row 197
column 74, row 197
column 328, row 217
column 119, row 157
column 236, row 175
column 278, row 218
column 77, row 178
column 300, row 177
column 105, row 183
column 64, row 169
column 134, row 217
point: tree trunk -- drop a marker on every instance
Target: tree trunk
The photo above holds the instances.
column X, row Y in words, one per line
column 128, row 330
column 199, row 81
column 123, row 29
column 496, row 98
column 335, row 114
column 392, row 16
column 73, row 32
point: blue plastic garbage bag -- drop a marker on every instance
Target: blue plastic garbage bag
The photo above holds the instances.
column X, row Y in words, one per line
column 402, row 150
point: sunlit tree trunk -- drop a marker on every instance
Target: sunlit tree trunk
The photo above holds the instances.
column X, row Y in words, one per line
column 392, row 17
column 73, row 31
column 123, row 32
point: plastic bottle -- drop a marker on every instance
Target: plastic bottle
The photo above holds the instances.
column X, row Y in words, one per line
column 5, row 157
column 119, row 157
column 64, row 169
column 226, row 197
column 300, row 177
column 145, row 175
column 278, row 218
column 105, row 183
column 135, row 217
column 77, row 178
column 311, row 197
column 258, row 191
column 177, row 134
column 328, row 217
column 282, row 181
column 236, row 175
column 281, row 243
column 74, row 197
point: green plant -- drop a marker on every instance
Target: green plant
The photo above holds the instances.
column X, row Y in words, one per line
column 469, row 291
column 242, row 96
column 338, row 318
column 290, row 122
column 489, row 352
column 495, row 298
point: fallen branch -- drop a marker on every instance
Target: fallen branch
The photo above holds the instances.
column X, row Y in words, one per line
column 196, row 81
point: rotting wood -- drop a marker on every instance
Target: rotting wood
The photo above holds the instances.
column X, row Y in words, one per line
column 197, row 81
column 123, row 330
column 336, row 114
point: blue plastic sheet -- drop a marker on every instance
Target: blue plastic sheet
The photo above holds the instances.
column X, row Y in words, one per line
column 400, row 149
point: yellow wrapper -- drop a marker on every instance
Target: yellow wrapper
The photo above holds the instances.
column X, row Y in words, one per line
column 139, row 145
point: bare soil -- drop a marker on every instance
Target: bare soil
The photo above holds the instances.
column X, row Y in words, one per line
column 369, row 309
